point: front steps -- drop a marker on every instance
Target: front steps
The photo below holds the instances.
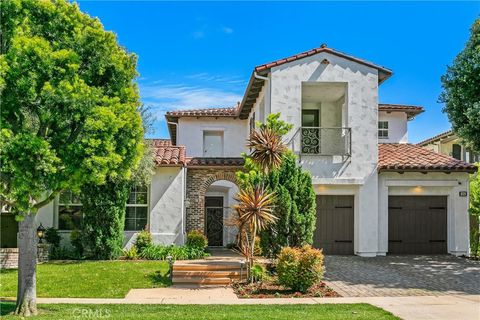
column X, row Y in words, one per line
column 207, row 272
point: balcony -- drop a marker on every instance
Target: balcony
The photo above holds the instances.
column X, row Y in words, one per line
column 319, row 141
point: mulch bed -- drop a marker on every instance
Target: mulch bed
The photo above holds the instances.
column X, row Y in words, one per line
column 270, row 289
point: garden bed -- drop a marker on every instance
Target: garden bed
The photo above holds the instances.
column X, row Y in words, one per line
column 271, row 289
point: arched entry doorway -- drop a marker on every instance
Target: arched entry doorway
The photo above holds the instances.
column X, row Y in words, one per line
column 219, row 202
column 205, row 187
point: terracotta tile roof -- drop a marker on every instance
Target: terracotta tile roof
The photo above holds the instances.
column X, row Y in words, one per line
column 214, row 162
column 209, row 112
column 160, row 142
column 410, row 110
column 255, row 84
column 435, row 138
column 167, row 155
column 410, row 157
column 314, row 51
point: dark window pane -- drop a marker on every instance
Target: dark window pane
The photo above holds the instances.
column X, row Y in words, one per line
column 142, row 212
column 141, row 223
column 130, row 214
column 69, row 217
column 457, row 151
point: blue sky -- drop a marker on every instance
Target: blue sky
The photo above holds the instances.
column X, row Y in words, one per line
column 197, row 55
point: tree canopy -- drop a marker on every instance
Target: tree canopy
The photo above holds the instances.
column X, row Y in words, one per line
column 461, row 91
column 69, row 103
column 69, row 114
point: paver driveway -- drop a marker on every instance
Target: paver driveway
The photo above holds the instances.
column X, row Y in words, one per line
column 353, row 276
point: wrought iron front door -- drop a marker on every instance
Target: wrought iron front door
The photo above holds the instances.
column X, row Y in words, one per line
column 214, row 220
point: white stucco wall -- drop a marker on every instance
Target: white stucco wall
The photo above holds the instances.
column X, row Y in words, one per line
column 397, row 127
column 166, row 219
column 361, row 111
column 190, row 134
column 428, row 184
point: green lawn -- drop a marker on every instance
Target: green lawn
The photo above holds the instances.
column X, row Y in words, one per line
column 196, row 312
column 90, row 279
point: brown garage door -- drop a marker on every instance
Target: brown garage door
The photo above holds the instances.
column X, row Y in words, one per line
column 417, row 224
column 334, row 230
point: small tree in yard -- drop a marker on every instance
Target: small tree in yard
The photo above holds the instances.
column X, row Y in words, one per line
column 69, row 115
column 294, row 204
column 461, row 91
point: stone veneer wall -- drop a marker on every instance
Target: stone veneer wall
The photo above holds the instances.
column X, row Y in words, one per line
column 198, row 181
column 9, row 256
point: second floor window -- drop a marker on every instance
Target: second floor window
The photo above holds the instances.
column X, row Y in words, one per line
column 383, row 129
column 69, row 211
column 212, row 144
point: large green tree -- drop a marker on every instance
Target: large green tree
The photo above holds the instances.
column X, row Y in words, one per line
column 461, row 91
column 69, row 114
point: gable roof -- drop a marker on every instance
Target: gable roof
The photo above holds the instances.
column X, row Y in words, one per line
column 402, row 157
column 165, row 154
column 384, row 73
column 255, row 84
column 438, row 137
column 410, row 110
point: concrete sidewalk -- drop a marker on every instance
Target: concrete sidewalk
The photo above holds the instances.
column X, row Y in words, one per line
column 408, row 308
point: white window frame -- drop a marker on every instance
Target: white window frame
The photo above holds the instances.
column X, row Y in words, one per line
column 59, row 204
column 221, row 133
column 382, row 128
column 138, row 205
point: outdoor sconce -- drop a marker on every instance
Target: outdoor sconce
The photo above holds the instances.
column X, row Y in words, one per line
column 40, row 233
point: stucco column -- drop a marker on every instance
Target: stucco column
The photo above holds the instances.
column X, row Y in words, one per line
column 366, row 218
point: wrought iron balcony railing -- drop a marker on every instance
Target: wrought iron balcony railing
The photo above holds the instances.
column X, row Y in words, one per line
column 319, row 141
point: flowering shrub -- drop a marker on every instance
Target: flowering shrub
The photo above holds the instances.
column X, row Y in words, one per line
column 300, row 268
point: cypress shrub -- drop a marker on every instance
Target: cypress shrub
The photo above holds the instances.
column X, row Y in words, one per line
column 104, row 219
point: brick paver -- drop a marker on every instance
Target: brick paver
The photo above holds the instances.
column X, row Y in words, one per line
column 353, row 276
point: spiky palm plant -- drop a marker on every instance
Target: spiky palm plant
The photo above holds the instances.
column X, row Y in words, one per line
column 254, row 214
column 267, row 148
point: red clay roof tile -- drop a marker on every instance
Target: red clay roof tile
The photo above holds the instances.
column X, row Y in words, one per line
column 409, row 157
column 167, row 155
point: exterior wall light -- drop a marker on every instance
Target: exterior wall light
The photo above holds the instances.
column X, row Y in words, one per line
column 40, row 233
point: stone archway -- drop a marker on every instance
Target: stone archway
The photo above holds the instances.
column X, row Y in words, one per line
column 198, row 181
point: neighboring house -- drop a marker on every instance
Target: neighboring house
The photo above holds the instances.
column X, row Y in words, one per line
column 376, row 194
column 449, row 144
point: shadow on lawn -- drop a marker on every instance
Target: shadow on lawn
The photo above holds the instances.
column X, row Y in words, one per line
column 6, row 308
column 160, row 279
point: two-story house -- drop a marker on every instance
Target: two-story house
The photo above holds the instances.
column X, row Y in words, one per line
column 449, row 144
column 376, row 194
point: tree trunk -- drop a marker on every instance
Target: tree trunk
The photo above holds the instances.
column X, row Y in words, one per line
column 27, row 268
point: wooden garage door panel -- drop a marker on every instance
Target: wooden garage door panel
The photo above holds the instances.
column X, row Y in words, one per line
column 417, row 224
column 334, row 230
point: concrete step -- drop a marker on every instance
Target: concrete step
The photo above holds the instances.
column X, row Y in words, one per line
column 201, row 280
column 206, row 267
column 207, row 274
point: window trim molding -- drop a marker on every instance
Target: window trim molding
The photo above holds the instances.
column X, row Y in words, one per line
column 383, row 130
column 147, row 205
column 222, row 134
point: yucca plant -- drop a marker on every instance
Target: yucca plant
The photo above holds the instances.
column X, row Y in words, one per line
column 253, row 214
column 267, row 148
